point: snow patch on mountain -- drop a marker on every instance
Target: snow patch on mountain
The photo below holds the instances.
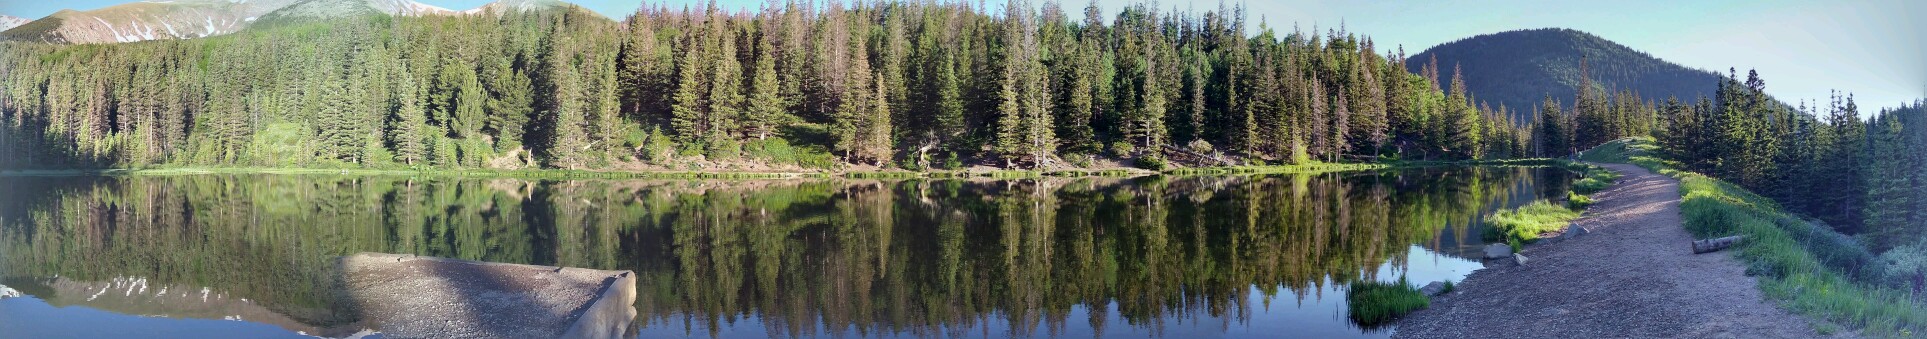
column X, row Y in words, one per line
column 9, row 22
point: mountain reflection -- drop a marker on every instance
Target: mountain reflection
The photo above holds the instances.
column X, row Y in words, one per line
column 790, row 257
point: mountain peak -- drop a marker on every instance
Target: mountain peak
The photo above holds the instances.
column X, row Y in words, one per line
column 1520, row 68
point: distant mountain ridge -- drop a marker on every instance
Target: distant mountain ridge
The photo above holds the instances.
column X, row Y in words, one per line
column 1520, row 68
column 186, row 19
column 142, row 21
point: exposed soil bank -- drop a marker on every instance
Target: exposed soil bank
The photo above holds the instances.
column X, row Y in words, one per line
column 1633, row 275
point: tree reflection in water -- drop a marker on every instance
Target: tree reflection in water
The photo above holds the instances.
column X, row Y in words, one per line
column 794, row 257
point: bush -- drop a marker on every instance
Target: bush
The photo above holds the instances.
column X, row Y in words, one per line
column 779, row 151
column 725, row 149
column 1122, row 149
column 1200, row 146
column 1300, row 156
column 1151, row 162
column 1375, row 304
column 1905, row 267
column 1079, row 160
column 689, row 150
column 657, row 148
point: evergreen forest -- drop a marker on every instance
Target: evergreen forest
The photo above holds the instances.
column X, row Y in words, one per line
column 792, row 86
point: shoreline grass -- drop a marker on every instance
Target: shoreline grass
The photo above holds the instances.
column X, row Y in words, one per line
column 1521, row 226
column 1374, row 304
column 1805, row 267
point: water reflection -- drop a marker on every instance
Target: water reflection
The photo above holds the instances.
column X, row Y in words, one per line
column 1037, row 257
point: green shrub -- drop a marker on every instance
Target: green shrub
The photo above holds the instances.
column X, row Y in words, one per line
column 1200, row 146
column 1079, row 160
column 1905, row 267
column 1122, row 149
column 1151, row 162
column 725, row 149
column 633, row 138
column 690, row 149
column 1299, row 155
column 952, row 162
column 657, row 148
column 1375, row 304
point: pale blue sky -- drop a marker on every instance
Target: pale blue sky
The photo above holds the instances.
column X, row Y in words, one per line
column 1803, row 48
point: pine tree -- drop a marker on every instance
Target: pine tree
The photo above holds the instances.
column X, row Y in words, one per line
column 509, row 109
column 567, row 140
column 1368, row 111
column 407, row 125
column 725, row 98
column 1554, row 135
column 689, row 108
column 468, row 102
column 767, row 107
column 1461, row 121
column 642, row 72
column 1319, row 134
column 1341, row 118
column 1024, row 122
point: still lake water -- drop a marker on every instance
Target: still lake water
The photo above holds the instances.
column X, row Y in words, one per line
column 1180, row 257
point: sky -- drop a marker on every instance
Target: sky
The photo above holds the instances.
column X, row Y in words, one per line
column 1803, row 49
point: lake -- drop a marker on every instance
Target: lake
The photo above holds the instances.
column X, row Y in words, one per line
column 1181, row 257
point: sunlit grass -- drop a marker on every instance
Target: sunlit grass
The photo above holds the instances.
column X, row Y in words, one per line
column 1524, row 224
column 1376, row 304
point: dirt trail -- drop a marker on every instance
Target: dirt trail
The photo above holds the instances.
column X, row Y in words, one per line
column 1633, row 276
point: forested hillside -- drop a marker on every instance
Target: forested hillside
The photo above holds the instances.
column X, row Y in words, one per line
column 1518, row 68
column 873, row 85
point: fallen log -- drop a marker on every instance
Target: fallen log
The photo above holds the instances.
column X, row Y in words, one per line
column 1715, row 244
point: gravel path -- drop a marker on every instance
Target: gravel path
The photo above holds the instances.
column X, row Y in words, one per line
column 1633, row 276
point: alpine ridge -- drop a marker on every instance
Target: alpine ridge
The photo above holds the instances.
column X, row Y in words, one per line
column 187, row 19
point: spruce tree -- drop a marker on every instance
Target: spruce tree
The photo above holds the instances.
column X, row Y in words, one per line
column 766, row 107
column 406, row 126
column 725, row 98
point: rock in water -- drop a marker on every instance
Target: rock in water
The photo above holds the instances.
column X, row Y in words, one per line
column 1497, row 251
column 1519, row 258
column 1433, row 289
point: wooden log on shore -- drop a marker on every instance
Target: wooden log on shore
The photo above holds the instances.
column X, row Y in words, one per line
column 1715, row 244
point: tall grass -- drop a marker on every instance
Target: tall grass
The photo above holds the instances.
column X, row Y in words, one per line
column 1805, row 267
column 1375, row 304
column 1592, row 178
column 1523, row 225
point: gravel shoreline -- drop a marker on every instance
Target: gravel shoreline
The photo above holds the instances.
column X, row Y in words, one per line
column 1632, row 276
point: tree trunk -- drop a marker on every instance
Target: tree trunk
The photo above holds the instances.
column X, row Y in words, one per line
column 1715, row 244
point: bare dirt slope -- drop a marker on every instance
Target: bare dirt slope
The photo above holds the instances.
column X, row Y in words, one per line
column 1633, row 276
